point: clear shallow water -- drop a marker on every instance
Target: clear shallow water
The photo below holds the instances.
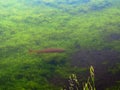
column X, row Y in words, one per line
column 87, row 30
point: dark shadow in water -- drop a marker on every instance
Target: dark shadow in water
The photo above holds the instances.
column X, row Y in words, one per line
column 103, row 61
column 112, row 37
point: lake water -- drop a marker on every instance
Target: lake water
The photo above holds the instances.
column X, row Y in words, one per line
column 43, row 42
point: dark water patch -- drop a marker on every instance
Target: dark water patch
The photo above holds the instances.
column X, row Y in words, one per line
column 57, row 80
column 86, row 56
column 112, row 37
column 102, row 61
column 107, row 80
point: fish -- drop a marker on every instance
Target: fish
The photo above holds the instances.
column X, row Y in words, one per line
column 48, row 50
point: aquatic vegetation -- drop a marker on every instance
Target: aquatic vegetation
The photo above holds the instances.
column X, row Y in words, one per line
column 74, row 83
column 49, row 50
column 71, row 25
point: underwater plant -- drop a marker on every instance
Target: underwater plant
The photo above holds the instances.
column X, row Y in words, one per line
column 49, row 50
column 74, row 83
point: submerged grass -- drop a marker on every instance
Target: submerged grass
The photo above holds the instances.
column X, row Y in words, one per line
column 39, row 24
column 74, row 83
